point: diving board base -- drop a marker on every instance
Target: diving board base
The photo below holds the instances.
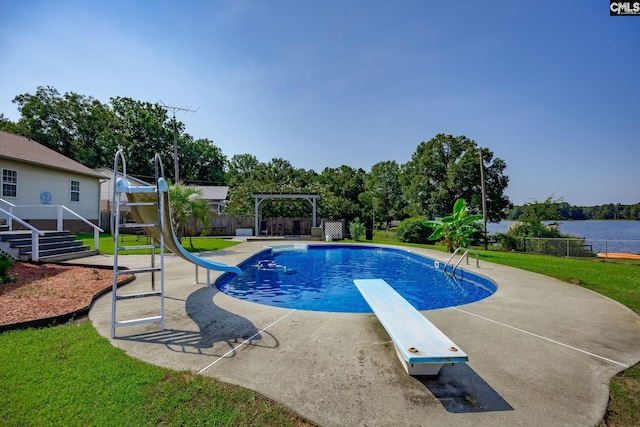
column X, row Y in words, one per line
column 421, row 347
column 417, row 369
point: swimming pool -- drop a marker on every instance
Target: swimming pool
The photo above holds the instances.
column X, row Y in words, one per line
column 320, row 278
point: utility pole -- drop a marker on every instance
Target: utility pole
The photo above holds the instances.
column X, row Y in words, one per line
column 175, row 137
column 484, row 201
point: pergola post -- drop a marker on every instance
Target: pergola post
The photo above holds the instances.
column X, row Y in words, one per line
column 313, row 219
column 256, row 217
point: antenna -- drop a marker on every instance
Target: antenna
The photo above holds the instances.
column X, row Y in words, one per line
column 174, row 110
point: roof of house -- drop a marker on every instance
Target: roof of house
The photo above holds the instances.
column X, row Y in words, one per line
column 213, row 192
column 21, row 149
column 108, row 173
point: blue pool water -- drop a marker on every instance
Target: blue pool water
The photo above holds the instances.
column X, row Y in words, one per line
column 320, row 278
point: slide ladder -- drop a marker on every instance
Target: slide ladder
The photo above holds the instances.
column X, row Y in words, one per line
column 465, row 254
column 122, row 188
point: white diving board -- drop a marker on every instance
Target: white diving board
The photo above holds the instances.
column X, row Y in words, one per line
column 421, row 347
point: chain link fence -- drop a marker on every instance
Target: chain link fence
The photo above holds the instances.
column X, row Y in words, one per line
column 575, row 247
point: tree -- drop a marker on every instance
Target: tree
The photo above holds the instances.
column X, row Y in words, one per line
column 11, row 127
column 447, row 168
column 240, row 168
column 536, row 211
column 277, row 176
column 383, row 186
column 142, row 129
column 339, row 189
column 71, row 124
column 201, row 161
column 90, row 132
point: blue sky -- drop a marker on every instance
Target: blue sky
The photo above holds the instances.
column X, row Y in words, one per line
column 551, row 87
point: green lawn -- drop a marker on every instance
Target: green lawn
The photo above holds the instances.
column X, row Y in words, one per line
column 71, row 376
column 103, row 386
column 107, row 244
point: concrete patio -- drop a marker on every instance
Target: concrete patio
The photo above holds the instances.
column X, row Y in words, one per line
column 541, row 351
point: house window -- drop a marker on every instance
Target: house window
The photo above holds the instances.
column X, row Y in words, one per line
column 75, row 191
column 9, row 183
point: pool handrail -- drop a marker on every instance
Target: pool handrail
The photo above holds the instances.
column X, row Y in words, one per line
column 465, row 254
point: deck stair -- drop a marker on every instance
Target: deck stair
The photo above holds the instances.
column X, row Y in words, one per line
column 54, row 246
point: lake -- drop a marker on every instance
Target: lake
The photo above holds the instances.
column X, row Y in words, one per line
column 609, row 235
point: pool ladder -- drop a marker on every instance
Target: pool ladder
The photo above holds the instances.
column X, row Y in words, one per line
column 465, row 254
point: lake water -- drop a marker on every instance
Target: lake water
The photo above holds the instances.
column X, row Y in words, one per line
column 609, row 235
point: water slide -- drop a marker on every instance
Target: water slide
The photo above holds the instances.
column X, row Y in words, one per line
column 148, row 214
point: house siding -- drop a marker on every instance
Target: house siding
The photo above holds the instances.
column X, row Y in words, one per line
column 106, row 187
column 33, row 180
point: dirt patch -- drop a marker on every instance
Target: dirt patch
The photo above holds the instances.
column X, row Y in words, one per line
column 49, row 290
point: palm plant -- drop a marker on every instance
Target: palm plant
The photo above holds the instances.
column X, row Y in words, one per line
column 188, row 211
column 455, row 230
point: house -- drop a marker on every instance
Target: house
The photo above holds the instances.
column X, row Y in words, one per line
column 36, row 180
column 106, row 186
column 215, row 195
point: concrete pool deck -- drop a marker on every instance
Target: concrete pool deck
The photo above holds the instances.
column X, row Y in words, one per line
column 541, row 351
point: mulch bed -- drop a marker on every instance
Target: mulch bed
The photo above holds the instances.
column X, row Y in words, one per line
column 43, row 294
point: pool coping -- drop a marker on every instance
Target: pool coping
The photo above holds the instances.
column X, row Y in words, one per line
column 541, row 351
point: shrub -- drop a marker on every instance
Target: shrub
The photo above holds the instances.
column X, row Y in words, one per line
column 541, row 238
column 413, row 230
column 356, row 229
column 5, row 265
column 509, row 242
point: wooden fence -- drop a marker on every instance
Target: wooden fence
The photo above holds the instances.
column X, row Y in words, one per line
column 226, row 225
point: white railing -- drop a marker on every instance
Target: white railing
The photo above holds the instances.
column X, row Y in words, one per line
column 35, row 234
column 61, row 209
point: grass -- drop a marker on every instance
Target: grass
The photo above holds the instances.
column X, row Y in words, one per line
column 103, row 386
column 620, row 282
column 71, row 376
column 107, row 244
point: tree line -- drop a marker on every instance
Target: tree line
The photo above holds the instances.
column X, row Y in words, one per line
column 440, row 171
column 565, row 211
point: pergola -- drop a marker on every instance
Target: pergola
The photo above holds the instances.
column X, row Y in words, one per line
column 261, row 197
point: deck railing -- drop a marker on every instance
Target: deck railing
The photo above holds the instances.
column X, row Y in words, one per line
column 35, row 234
column 61, row 209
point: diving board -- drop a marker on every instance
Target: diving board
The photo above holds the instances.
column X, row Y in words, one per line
column 421, row 347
